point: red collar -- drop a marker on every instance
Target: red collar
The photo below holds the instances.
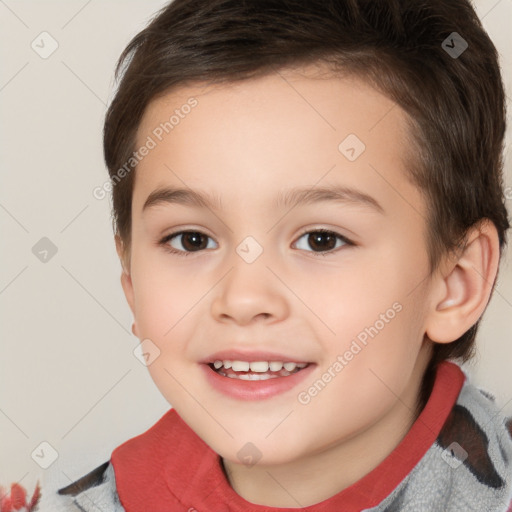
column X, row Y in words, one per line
column 170, row 465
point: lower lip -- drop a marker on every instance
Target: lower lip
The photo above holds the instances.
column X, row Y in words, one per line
column 255, row 389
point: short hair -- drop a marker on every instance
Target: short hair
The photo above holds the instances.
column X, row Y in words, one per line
column 455, row 102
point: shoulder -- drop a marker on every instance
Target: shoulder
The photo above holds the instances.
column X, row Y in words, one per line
column 92, row 479
column 96, row 489
column 472, row 455
column 469, row 465
column 480, row 435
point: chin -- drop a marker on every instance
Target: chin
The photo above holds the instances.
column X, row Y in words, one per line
column 265, row 453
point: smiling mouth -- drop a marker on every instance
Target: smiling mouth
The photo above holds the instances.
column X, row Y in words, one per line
column 256, row 370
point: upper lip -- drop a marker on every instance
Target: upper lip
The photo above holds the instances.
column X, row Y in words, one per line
column 251, row 356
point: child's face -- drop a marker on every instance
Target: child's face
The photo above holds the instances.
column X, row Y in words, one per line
column 258, row 288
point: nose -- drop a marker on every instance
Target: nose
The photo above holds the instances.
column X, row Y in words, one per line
column 250, row 293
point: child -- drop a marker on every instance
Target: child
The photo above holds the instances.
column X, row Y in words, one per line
column 341, row 164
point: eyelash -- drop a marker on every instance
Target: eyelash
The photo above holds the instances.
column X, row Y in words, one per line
column 168, row 248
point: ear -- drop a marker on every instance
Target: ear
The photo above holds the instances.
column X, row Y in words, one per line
column 126, row 279
column 463, row 285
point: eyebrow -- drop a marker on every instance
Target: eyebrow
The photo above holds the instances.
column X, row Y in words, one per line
column 288, row 199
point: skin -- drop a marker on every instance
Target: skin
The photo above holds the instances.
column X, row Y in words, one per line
column 245, row 143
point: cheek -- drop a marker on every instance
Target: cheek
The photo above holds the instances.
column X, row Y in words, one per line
column 156, row 310
column 364, row 296
column 373, row 375
column 391, row 345
column 162, row 296
column 378, row 338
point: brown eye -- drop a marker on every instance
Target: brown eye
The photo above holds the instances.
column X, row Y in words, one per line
column 322, row 240
column 185, row 242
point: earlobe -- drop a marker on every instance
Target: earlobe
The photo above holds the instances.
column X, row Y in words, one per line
column 126, row 283
column 465, row 286
column 126, row 279
column 121, row 253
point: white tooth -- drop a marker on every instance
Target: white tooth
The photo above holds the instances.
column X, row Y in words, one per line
column 275, row 366
column 289, row 366
column 240, row 366
column 302, row 365
column 217, row 364
column 227, row 364
column 256, row 376
column 259, row 366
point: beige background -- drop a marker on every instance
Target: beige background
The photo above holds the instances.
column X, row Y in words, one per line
column 68, row 376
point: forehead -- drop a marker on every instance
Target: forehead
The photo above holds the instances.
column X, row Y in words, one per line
column 332, row 101
column 300, row 127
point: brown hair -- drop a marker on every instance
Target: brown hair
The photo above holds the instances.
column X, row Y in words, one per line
column 456, row 104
